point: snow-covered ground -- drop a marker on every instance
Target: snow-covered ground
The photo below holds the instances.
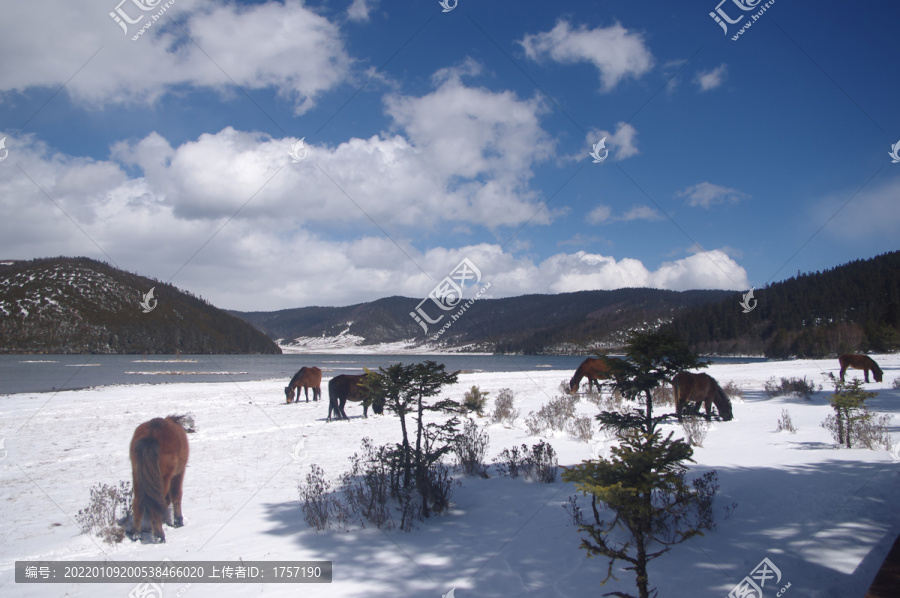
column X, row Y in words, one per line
column 825, row 517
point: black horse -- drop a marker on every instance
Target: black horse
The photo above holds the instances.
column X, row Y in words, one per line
column 346, row 387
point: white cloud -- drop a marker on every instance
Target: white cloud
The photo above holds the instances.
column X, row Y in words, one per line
column 270, row 256
column 599, row 214
column 302, row 55
column 642, row 213
column 615, row 51
column 706, row 195
column 603, row 214
column 711, row 79
column 622, row 144
column 359, row 10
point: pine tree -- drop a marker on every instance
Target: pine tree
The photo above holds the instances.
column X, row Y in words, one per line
column 404, row 390
column 643, row 482
column 850, row 411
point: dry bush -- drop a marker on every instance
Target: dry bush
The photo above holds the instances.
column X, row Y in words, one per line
column 504, row 411
column 554, row 415
column 695, row 429
column 367, row 486
column 470, row 448
column 102, row 514
column 797, row 387
column 733, row 390
column 319, row 507
column 539, row 463
column 872, row 432
column 785, row 423
column 663, row 395
column 581, row 428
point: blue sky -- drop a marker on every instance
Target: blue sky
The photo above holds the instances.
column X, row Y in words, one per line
column 431, row 137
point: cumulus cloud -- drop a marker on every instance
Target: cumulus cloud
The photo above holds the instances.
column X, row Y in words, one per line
column 616, row 52
column 271, row 258
column 711, row 79
column 706, row 195
column 622, row 144
column 302, row 57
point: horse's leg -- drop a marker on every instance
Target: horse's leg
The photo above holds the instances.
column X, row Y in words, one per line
column 843, row 371
column 137, row 513
column 175, row 494
column 341, row 406
column 708, row 403
column 306, row 390
column 317, row 392
column 866, row 374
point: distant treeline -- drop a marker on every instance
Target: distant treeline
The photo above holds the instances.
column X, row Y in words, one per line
column 850, row 308
column 80, row 305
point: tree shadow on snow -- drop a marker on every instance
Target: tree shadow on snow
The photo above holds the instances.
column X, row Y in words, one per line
column 506, row 537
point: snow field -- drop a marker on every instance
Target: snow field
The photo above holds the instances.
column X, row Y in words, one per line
column 824, row 516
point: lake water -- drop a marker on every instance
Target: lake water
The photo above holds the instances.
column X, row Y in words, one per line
column 44, row 373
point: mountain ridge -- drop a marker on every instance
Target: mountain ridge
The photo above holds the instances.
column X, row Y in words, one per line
column 81, row 305
column 579, row 322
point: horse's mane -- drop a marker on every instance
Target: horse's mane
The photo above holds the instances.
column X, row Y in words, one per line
column 721, row 401
column 576, row 379
column 296, row 377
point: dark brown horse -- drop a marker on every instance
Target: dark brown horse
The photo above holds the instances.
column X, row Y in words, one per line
column 594, row 370
column 700, row 388
column 346, row 387
column 305, row 378
column 159, row 454
column 860, row 362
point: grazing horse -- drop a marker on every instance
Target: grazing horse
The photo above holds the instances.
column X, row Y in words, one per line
column 305, row 378
column 346, row 387
column 594, row 370
column 860, row 362
column 700, row 388
column 159, row 454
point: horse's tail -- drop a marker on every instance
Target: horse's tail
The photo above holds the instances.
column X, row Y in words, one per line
column 333, row 401
column 148, row 482
column 722, row 402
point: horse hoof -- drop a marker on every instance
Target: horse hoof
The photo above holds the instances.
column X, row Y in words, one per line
column 179, row 522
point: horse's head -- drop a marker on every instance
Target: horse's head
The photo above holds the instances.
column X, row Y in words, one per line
column 573, row 385
column 378, row 407
column 289, row 394
column 876, row 372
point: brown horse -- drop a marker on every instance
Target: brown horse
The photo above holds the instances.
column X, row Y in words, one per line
column 346, row 387
column 159, row 454
column 594, row 370
column 860, row 362
column 700, row 388
column 305, row 378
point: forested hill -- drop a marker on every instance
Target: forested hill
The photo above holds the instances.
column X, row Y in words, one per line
column 582, row 322
column 79, row 305
column 853, row 307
